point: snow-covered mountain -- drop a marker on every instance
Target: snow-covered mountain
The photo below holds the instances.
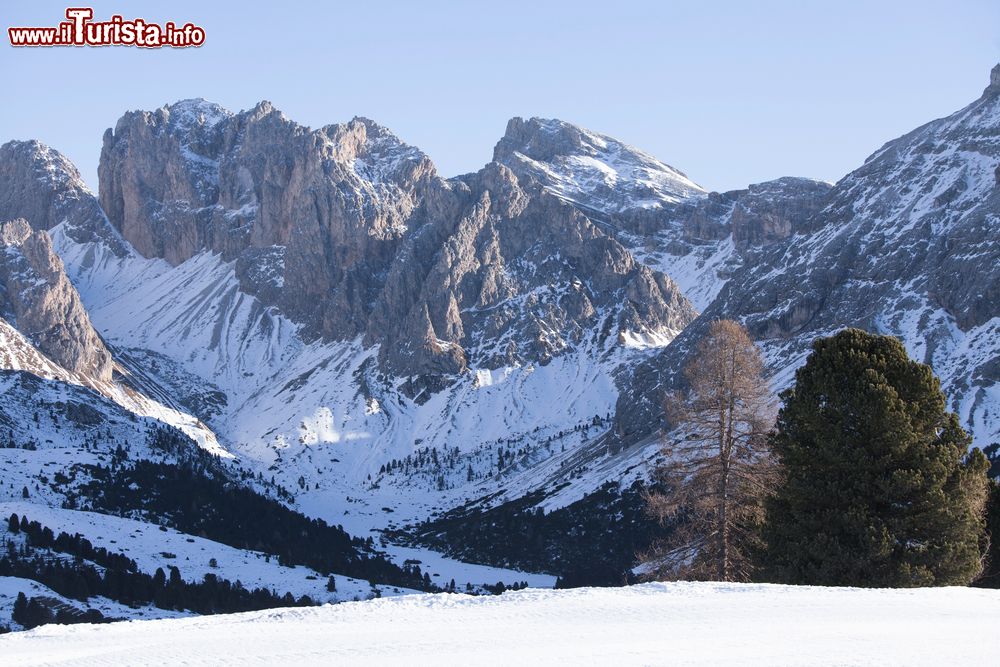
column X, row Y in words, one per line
column 907, row 245
column 374, row 345
column 668, row 222
column 405, row 316
column 218, row 341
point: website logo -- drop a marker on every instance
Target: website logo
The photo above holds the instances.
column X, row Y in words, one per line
column 79, row 29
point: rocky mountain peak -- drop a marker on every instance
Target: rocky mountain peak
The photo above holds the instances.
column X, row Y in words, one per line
column 606, row 178
column 374, row 152
column 590, row 169
column 186, row 115
column 42, row 186
column 237, row 183
column 908, row 245
column 545, row 139
column 994, row 86
column 38, row 299
column 49, row 166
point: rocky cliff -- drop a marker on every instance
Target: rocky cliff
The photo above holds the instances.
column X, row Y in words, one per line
column 38, row 299
column 41, row 186
column 667, row 221
column 350, row 232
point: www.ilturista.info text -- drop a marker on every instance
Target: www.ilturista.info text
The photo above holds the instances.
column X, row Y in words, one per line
column 80, row 30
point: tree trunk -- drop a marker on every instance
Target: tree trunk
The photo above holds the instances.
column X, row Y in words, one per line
column 723, row 556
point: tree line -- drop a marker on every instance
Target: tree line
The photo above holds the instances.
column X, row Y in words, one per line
column 73, row 567
column 197, row 500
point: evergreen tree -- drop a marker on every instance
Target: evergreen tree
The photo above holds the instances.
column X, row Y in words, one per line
column 20, row 607
column 879, row 487
column 991, row 573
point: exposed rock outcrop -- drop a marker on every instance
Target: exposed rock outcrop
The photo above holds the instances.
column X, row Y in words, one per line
column 350, row 232
column 313, row 217
column 40, row 185
column 37, row 298
column 671, row 224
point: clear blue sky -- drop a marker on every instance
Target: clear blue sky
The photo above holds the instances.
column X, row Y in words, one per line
column 730, row 92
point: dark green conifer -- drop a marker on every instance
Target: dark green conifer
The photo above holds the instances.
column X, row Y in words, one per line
column 879, row 487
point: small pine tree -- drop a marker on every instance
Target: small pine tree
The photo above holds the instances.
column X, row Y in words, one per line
column 20, row 608
column 331, row 584
column 879, row 487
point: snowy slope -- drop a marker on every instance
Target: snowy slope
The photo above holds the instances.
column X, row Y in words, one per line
column 909, row 245
column 322, row 411
column 688, row 624
column 667, row 221
column 906, row 245
column 591, row 169
column 11, row 586
column 152, row 548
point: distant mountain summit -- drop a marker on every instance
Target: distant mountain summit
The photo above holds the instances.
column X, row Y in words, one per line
column 350, row 232
column 590, row 169
column 908, row 245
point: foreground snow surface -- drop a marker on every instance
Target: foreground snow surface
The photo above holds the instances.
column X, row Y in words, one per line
column 677, row 624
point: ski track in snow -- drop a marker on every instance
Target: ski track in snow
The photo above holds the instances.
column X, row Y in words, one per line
column 678, row 624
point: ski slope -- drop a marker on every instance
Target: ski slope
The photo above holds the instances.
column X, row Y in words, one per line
column 679, row 623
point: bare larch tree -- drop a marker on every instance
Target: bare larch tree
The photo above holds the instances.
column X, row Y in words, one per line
column 716, row 468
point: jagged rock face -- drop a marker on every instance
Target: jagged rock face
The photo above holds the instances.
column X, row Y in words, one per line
column 350, row 232
column 37, row 298
column 909, row 244
column 772, row 211
column 43, row 187
column 642, row 195
column 671, row 224
column 312, row 217
column 518, row 279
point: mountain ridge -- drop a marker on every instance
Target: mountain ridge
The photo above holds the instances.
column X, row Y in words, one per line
column 325, row 308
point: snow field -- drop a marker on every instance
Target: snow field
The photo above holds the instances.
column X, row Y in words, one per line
column 677, row 623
